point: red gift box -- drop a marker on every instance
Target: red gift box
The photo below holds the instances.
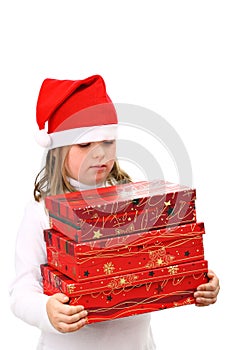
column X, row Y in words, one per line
column 130, row 294
column 120, row 210
column 120, row 255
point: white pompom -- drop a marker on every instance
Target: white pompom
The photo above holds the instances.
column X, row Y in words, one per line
column 43, row 138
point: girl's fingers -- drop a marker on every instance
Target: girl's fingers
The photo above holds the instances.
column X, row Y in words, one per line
column 69, row 319
column 206, row 294
column 205, row 301
column 204, row 298
column 70, row 310
column 65, row 317
column 68, row 328
column 209, row 290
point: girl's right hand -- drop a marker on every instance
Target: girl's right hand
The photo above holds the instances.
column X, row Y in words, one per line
column 65, row 318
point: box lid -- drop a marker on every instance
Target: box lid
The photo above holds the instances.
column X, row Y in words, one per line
column 126, row 242
column 116, row 199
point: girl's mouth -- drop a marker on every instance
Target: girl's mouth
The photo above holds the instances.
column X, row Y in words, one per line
column 99, row 167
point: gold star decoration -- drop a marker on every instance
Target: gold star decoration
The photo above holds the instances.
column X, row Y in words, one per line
column 97, row 234
column 108, row 268
column 173, row 269
column 122, row 281
column 160, row 261
column 167, row 203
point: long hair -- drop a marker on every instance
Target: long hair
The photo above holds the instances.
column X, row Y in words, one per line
column 52, row 179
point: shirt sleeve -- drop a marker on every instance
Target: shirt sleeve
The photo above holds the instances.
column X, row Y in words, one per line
column 26, row 291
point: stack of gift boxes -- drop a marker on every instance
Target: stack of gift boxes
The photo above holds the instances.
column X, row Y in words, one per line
column 125, row 250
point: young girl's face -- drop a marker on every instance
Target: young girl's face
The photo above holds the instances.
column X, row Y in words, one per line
column 90, row 163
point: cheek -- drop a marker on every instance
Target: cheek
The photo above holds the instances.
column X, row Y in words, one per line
column 73, row 162
column 112, row 158
column 112, row 153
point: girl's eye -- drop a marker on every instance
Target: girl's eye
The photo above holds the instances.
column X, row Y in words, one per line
column 83, row 145
column 88, row 144
column 109, row 142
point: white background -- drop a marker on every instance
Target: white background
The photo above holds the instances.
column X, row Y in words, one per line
column 174, row 57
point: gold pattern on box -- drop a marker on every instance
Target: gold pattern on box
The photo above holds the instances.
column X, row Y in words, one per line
column 108, row 268
column 173, row 269
column 158, row 258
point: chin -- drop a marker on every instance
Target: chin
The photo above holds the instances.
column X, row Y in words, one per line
column 94, row 182
column 100, row 180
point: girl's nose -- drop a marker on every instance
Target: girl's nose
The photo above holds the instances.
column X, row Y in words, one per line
column 98, row 151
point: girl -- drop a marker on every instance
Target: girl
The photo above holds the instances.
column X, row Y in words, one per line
column 81, row 137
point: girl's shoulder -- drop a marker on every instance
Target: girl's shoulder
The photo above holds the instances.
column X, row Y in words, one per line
column 33, row 205
column 36, row 211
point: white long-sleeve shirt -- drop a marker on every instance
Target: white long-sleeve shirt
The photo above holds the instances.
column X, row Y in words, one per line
column 29, row 303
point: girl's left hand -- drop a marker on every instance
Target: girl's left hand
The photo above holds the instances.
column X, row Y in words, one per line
column 207, row 293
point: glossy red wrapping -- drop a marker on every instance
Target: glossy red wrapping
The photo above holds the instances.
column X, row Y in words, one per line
column 120, row 255
column 130, row 294
column 120, row 210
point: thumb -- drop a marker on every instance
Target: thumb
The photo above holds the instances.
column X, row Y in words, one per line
column 210, row 274
column 61, row 297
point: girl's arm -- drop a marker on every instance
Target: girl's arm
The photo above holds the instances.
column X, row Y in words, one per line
column 28, row 302
column 27, row 299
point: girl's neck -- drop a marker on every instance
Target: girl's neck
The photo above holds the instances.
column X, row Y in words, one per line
column 79, row 186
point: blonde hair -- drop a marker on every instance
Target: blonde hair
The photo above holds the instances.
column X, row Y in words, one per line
column 52, row 179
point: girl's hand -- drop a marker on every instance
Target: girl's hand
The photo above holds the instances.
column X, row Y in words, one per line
column 65, row 318
column 206, row 294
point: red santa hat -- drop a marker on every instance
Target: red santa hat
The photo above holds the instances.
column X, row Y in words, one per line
column 76, row 111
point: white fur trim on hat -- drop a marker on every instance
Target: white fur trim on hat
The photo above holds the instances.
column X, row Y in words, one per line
column 83, row 135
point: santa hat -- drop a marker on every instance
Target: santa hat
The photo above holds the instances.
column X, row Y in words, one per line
column 76, row 111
